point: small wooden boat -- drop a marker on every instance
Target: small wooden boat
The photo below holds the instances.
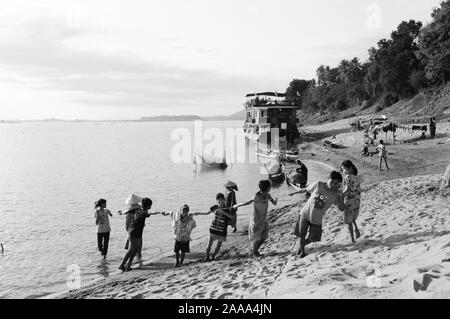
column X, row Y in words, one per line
column 290, row 182
column 292, row 158
column 211, row 163
column 278, row 176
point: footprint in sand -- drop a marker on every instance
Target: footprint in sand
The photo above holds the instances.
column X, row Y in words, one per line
column 158, row 291
column 228, row 286
column 426, row 281
column 337, row 277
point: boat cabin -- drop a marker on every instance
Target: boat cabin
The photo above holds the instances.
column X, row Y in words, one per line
column 269, row 110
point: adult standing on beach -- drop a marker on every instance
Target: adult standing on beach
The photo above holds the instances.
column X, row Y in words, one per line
column 230, row 201
column 351, row 196
column 433, row 127
column 382, row 153
column 103, row 227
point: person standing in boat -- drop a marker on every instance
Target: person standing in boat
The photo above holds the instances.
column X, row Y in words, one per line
column 230, row 201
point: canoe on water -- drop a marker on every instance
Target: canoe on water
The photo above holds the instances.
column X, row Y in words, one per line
column 209, row 162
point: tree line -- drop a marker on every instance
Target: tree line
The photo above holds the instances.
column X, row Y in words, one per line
column 414, row 58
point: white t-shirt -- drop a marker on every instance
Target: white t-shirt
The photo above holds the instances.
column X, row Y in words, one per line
column 103, row 220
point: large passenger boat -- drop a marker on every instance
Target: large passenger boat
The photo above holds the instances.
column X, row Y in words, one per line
column 268, row 111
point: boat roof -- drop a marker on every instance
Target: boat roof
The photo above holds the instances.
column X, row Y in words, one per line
column 274, row 106
column 275, row 94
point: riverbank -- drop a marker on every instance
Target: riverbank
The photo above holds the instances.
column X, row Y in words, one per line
column 404, row 251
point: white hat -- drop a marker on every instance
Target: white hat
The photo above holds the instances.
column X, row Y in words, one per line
column 133, row 200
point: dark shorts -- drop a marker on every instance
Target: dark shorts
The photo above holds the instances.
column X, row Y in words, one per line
column 315, row 231
column 183, row 246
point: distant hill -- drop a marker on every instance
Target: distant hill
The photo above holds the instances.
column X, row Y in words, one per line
column 170, row 118
column 238, row 116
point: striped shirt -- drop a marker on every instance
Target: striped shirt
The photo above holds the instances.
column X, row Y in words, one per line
column 219, row 224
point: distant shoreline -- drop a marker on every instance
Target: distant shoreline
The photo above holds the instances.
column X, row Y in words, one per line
column 120, row 121
column 239, row 116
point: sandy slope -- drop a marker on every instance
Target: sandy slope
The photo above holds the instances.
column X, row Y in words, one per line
column 405, row 244
column 405, row 237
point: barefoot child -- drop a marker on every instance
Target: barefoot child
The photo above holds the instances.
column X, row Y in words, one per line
column 258, row 229
column 135, row 230
column 323, row 196
column 182, row 223
column 382, row 153
column 351, row 196
column 219, row 225
column 103, row 227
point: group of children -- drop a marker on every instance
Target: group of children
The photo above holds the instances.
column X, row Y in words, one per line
column 321, row 197
column 342, row 190
column 183, row 222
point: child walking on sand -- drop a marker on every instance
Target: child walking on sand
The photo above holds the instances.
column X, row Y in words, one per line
column 230, row 201
column 323, row 196
column 382, row 153
column 103, row 227
column 219, row 225
column 182, row 223
column 258, row 229
column 135, row 227
column 351, row 196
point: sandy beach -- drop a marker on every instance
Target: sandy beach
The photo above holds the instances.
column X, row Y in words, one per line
column 404, row 251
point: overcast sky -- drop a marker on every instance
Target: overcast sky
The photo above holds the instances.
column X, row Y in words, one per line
column 118, row 59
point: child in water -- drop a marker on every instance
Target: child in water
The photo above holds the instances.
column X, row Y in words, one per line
column 258, row 229
column 103, row 227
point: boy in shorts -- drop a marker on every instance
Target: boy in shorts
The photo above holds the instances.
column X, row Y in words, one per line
column 323, row 196
column 182, row 223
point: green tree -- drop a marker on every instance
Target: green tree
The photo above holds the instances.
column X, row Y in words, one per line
column 393, row 62
column 296, row 90
column 434, row 43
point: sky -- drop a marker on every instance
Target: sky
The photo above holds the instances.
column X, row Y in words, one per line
column 117, row 59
